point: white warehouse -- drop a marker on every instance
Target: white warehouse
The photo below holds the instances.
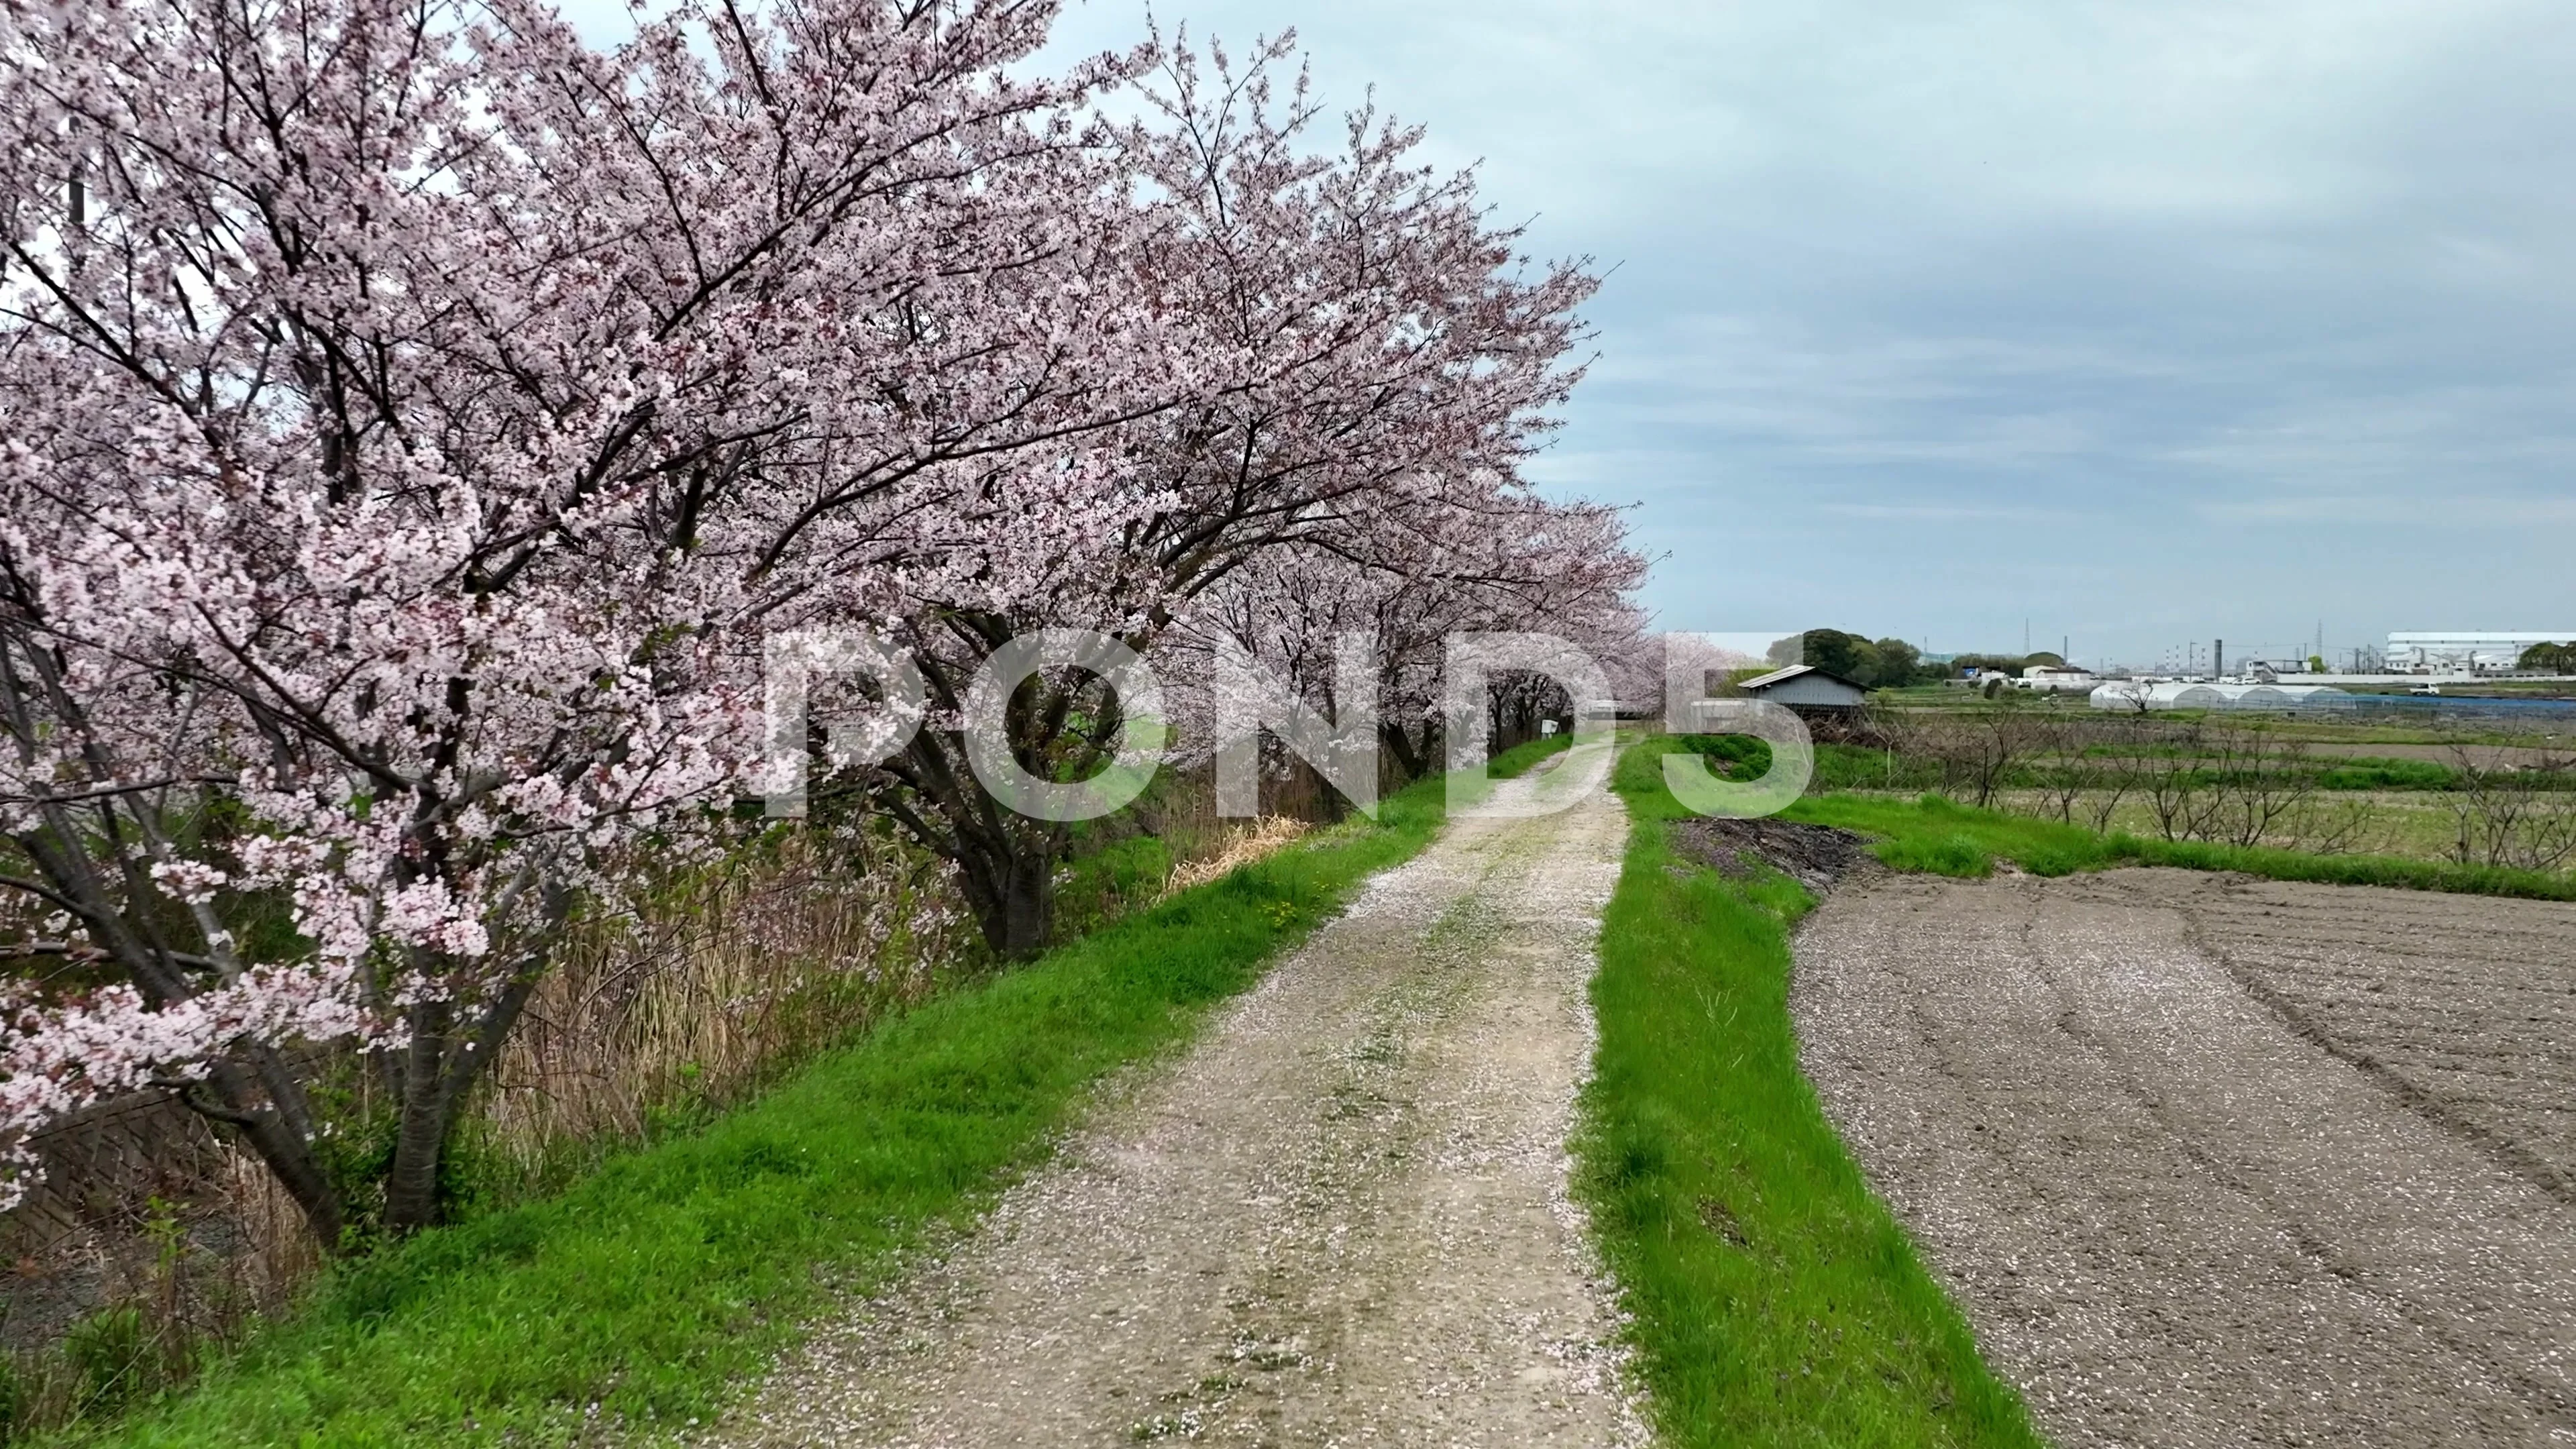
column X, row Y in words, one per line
column 2464, row 653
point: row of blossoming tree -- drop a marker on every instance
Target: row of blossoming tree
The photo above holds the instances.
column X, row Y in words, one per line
column 415, row 419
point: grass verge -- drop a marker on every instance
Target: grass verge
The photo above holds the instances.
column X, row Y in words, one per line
column 1946, row 838
column 639, row 1296
column 1773, row 1299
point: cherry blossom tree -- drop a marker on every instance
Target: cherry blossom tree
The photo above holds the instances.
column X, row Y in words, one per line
column 412, row 422
column 1371, row 359
column 1519, row 564
column 412, row 417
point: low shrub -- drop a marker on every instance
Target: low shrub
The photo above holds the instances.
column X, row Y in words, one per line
column 2376, row 774
column 1954, row 855
column 1943, row 837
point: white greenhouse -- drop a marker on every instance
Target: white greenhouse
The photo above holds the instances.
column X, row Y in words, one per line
column 2134, row 696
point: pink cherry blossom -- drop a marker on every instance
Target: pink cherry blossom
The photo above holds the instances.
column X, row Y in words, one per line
column 412, row 422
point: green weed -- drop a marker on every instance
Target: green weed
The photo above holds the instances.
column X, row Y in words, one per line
column 111, row 1355
column 13, row 1398
column 1955, row 855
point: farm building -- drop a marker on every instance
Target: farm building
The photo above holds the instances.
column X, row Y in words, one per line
column 1804, row 687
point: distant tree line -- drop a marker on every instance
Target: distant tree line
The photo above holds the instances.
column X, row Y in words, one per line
column 1889, row 663
column 2551, row 658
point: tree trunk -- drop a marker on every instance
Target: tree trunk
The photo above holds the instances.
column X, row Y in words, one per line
column 1011, row 889
column 1400, row 744
column 420, row 1135
column 277, row 1136
column 1330, row 807
column 1005, row 865
column 437, row 1083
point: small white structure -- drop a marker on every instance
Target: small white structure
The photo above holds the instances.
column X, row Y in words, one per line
column 2135, row 696
column 2270, row 671
column 2056, row 679
column 1804, row 686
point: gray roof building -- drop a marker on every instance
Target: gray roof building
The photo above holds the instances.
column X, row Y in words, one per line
column 1804, row 686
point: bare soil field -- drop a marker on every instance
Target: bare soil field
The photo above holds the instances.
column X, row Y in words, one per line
column 1340, row 1219
column 2213, row 1161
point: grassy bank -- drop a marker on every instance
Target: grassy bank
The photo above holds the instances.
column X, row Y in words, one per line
column 1934, row 834
column 640, row 1295
column 1775, row 1302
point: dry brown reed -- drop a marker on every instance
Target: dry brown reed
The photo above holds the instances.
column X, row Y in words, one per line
column 140, row 1297
column 724, row 977
column 1235, row 848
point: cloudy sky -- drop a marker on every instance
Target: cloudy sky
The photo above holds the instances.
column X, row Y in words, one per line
column 2128, row 324
column 2140, row 322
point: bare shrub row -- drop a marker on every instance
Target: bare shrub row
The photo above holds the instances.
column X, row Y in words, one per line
column 2232, row 782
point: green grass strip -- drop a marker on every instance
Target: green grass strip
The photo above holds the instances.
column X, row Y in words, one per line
column 648, row 1291
column 2373, row 870
column 1774, row 1301
column 1945, row 838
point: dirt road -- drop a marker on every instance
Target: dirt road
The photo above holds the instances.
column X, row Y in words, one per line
column 1340, row 1219
column 2221, row 1162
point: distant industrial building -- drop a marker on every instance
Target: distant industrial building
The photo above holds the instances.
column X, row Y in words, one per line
column 2464, row 653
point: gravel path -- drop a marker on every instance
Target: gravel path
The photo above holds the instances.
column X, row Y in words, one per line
column 1340, row 1219
column 2210, row 1161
